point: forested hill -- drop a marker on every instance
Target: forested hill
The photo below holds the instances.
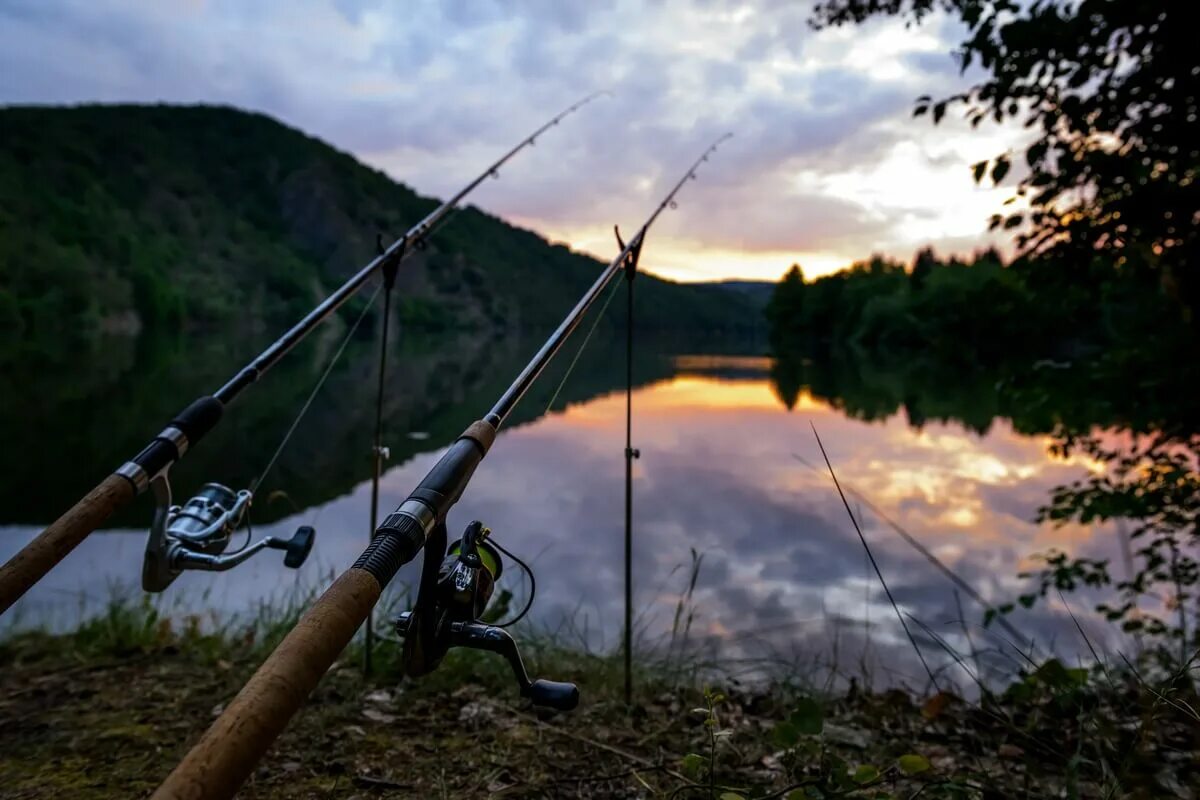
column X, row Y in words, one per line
column 170, row 217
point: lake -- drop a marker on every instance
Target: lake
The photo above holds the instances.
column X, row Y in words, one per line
column 730, row 474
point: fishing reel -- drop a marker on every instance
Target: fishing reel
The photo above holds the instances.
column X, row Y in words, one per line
column 450, row 602
column 195, row 535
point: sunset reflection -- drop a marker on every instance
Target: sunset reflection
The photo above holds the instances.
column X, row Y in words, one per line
column 727, row 470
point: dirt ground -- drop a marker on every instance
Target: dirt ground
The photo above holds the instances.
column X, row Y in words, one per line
column 113, row 727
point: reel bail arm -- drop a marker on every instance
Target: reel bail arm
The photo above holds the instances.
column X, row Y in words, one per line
column 36, row 559
column 219, row 763
column 195, row 535
column 449, row 604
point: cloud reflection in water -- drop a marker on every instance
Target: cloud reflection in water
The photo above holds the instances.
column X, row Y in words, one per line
column 784, row 577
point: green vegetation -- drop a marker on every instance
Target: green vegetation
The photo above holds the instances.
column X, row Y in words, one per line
column 978, row 314
column 181, row 218
column 1105, row 367
column 1104, row 299
column 107, row 710
column 1113, row 164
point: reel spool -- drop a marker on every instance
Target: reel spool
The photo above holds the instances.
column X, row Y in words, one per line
column 451, row 599
column 196, row 534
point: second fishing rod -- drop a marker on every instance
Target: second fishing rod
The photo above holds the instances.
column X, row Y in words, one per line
column 226, row 754
column 150, row 468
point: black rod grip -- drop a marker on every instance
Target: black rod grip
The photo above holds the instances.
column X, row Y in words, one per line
column 397, row 541
column 199, row 418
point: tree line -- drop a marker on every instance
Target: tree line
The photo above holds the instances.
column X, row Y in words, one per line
column 976, row 311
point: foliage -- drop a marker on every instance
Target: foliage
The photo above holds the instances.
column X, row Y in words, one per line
column 973, row 342
column 133, row 680
column 973, row 313
column 1112, row 90
column 1156, row 485
column 177, row 218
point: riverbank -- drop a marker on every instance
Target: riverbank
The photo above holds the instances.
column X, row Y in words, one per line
column 107, row 710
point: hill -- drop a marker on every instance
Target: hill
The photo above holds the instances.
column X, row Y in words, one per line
column 123, row 217
column 757, row 292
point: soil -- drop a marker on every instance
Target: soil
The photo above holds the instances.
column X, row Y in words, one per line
column 114, row 727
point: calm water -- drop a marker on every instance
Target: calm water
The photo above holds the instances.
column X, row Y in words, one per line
column 783, row 577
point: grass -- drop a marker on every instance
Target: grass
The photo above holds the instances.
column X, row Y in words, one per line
column 106, row 710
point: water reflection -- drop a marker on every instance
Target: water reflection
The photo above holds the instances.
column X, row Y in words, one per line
column 784, row 577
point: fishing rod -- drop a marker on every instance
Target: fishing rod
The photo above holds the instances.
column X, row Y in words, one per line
column 178, row 543
column 452, row 595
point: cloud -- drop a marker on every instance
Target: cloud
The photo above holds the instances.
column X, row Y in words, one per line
column 432, row 91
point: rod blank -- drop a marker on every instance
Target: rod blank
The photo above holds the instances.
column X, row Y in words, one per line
column 223, row 758
column 32, row 563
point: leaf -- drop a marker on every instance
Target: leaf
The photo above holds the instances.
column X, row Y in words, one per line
column 808, row 717
column 1078, row 676
column 785, row 735
column 865, row 774
column 1000, row 169
column 935, row 705
column 939, row 111
column 1035, row 153
column 1052, row 673
column 913, row 763
column 978, row 169
column 732, row 796
column 693, row 765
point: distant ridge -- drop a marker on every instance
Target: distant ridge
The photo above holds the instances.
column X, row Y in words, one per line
column 757, row 292
column 122, row 217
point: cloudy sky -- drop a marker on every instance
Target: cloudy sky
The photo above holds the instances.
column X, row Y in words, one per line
column 826, row 166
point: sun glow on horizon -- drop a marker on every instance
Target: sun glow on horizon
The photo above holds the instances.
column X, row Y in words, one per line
column 691, row 261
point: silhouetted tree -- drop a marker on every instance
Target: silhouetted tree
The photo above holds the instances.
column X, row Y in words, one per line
column 785, row 309
column 1113, row 89
column 923, row 264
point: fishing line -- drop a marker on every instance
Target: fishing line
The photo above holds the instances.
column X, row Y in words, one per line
column 304, row 409
column 579, row 352
column 929, row 556
column 316, row 389
column 874, row 563
column 220, row 761
column 249, row 536
column 170, row 546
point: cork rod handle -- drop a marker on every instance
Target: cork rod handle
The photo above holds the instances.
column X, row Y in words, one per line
column 52, row 545
column 226, row 754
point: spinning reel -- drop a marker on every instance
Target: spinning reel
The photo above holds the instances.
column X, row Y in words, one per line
column 452, row 597
column 195, row 535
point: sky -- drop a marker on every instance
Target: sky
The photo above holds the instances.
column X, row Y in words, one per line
column 826, row 166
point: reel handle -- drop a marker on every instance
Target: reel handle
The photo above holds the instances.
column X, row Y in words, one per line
column 551, row 694
column 558, row 695
column 297, row 548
